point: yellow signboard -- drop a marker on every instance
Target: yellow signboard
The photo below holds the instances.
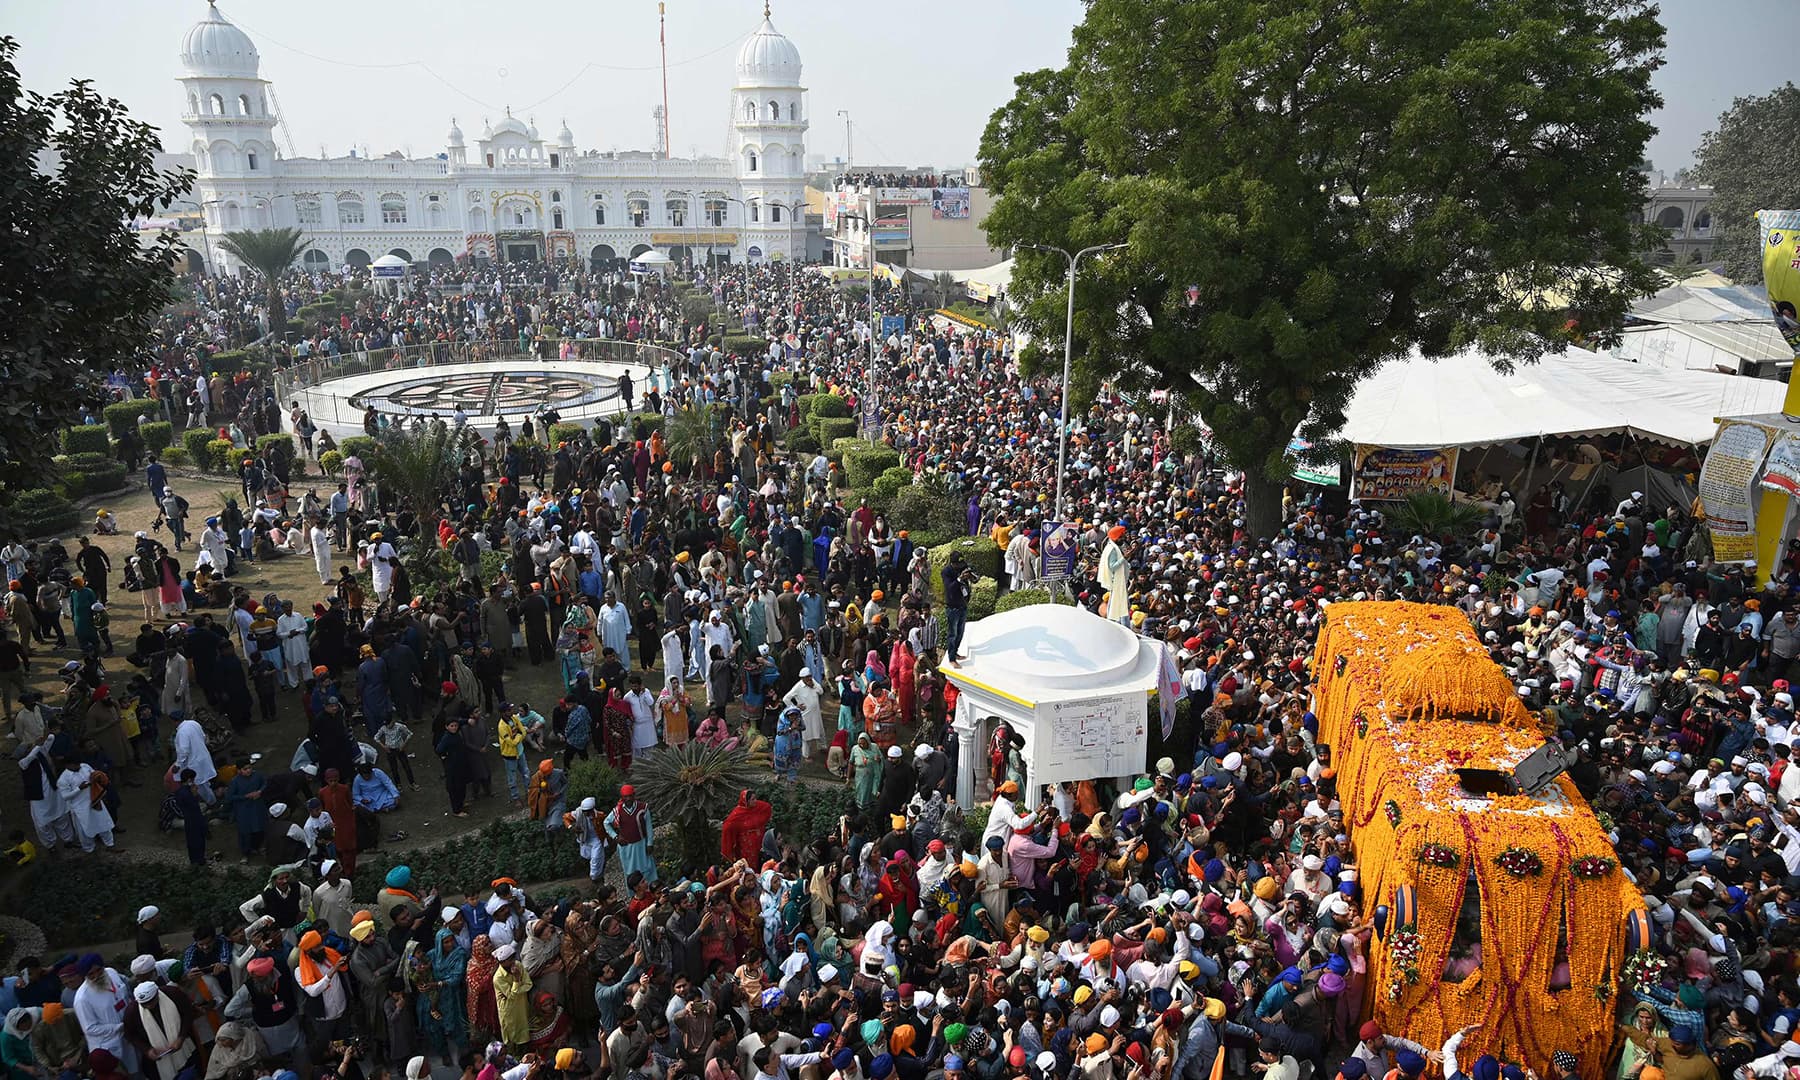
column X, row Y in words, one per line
column 674, row 239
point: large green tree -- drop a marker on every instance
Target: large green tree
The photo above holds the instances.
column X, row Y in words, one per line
column 1310, row 188
column 78, row 290
column 269, row 252
column 1752, row 162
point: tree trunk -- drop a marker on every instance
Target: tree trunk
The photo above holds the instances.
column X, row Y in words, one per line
column 277, row 311
column 1262, row 504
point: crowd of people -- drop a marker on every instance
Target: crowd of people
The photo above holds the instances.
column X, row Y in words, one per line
column 1205, row 919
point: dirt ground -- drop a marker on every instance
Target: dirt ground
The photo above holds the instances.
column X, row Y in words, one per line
column 424, row 815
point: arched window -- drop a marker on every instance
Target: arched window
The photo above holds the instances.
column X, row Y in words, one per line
column 250, row 159
column 677, row 209
column 350, row 212
column 1671, row 218
column 599, row 212
column 308, row 212
column 434, row 215
column 775, row 213
column 755, row 210
column 556, row 196
column 477, row 219
column 215, row 105
column 638, row 210
column 715, row 212
column 749, row 110
column 794, row 111
column 556, row 218
column 774, row 110
column 750, row 161
column 393, row 210
column 243, row 104
column 1703, row 221
column 234, row 217
column 193, row 105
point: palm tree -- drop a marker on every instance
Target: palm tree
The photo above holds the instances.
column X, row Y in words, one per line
column 691, row 788
column 269, row 252
column 944, row 285
column 419, row 467
column 1433, row 514
column 690, row 435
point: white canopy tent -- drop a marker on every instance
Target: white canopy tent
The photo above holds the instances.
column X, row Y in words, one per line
column 651, row 262
column 1463, row 401
column 1705, row 327
column 1073, row 685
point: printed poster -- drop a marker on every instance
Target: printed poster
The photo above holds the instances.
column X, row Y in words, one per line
column 1782, row 470
column 1058, row 550
column 1382, row 474
column 1728, row 486
column 949, row 203
column 1781, row 270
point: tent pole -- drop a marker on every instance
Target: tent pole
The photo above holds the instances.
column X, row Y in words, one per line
column 1530, row 471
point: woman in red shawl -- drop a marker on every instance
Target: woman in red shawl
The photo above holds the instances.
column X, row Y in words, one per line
column 900, row 890
column 334, row 799
column 484, row 1011
column 616, row 730
column 903, row 668
column 740, row 837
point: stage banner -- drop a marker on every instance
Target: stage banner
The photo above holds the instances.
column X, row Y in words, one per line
column 1781, row 270
column 1385, row 475
column 1728, row 486
column 950, row 203
column 1059, row 549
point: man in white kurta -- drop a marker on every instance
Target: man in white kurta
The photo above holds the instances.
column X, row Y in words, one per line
column 381, row 556
column 321, row 551
column 92, row 821
column 100, row 1004
column 805, row 697
column 642, row 704
column 672, row 658
column 215, row 547
column 1115, row 575
column 615, row 629
column 296, row 652
column 191, row 752
column 49, row 814
column 715, row 632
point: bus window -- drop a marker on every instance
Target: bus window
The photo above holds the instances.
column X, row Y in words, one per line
column 1465, row 939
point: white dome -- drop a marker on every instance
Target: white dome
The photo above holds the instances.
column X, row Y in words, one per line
column 511, row 124
column 456, row 136
column 768, row 59
column 215, row 47
column 565, row 137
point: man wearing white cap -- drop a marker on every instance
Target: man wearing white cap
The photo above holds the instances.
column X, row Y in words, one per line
column 588, row 838
column 805, row 696
column 331, row 898
column 157, row 1024
column 512, row 996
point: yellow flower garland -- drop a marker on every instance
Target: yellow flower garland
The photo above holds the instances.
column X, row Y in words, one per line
column 1405, row 696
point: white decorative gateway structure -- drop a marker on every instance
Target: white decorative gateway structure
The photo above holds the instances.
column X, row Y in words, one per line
column 514, row 196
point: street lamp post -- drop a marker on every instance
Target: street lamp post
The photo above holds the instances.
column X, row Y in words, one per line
column 1062, row 424
column 874, row 331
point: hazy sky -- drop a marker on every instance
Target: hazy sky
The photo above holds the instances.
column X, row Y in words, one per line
column 918, row 80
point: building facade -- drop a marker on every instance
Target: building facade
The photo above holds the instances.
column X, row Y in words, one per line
column 911, row 217
column 1684, row 211
column 511, row 194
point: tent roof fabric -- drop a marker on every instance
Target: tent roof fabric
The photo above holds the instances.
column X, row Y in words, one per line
column 1704, row 346
column 1462, row 401
column 1690, row 303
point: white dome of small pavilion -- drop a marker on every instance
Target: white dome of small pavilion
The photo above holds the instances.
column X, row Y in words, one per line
column 455, row 137
column 768, row 58
column 215, row 47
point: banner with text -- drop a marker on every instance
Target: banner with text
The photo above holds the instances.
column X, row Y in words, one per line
column 1781, row 270
column 950, row 203
column 1728, row 487
column 1384, row 474
column 905, row 196
column 1059, row 548
column 1782, row 470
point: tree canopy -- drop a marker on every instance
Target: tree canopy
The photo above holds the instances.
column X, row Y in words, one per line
column 1312, row 187
column 1752, row 163
column 269, row 252
column 78, row 291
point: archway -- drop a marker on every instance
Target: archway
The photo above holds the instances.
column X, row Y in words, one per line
column 640, row 249
column 402, row 253
column 195, row 263
column 681, row 254
column 440, row 257
column 315, row 260
column 601, row 255
column 356, row 257
column 1671, row 217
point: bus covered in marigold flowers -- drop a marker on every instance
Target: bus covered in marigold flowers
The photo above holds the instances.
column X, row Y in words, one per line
column 1495, row 892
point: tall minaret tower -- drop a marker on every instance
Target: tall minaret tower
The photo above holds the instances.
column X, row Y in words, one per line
column 227, row 109
column 770, row 130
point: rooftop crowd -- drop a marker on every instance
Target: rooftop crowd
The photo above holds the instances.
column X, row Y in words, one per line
column 1205, row 919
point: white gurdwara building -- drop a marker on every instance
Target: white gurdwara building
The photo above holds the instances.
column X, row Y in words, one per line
column 512, row 196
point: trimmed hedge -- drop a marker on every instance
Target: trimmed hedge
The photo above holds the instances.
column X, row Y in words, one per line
column 561, row 433
column 332, row 461
column 359, row 446
column 642, row 424
column 780, row 379
column 87, row 438
column 811, row 405
column 158, row 434
column 829, row 429
column 281, row 441
column 81, row 481
column 39, row 513
column 802, row 441
column 863, row 466
column 194, row 441
column 979, row 552
column 121, row 416
column 745, row 344
column 176, row 456
column 889, row 483
column 221, row 456
column 226, row 362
